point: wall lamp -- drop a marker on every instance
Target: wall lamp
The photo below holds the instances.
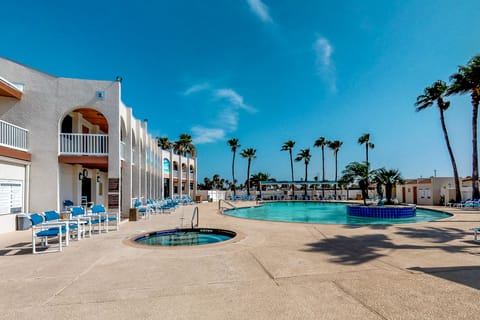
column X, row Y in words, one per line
column 98, row 178
column 82, row 175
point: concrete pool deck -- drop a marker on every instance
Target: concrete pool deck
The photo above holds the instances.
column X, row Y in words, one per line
column 272, row 270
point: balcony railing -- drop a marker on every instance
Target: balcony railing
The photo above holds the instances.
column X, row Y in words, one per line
column 13, row 136
column 175, row 174
column 84, row 144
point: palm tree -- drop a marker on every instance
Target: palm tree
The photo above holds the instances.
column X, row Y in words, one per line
column 335, row 146
column 288, row 145
column 249, row 154
column 467, row 80
column 388, row 178
column 164, row 143
column 356, row 172
column 365, row 139
column 256, row 178
column 304, row 155
column 184, row 145
column 234, row 145
column 322, row 142
column 435, row 94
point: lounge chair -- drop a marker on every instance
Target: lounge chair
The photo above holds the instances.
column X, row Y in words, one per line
column 43, row 230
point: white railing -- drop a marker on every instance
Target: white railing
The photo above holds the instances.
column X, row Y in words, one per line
column 184, row 175
column 13, row 136
column 122, row 150
column 175, row 174
column 83, row 144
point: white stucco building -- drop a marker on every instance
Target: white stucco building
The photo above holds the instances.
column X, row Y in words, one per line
column 71, row 139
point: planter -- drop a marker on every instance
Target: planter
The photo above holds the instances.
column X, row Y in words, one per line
column 386, row 212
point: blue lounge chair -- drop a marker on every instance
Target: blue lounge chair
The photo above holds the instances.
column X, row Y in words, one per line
column 43, row 230
column 78, row 214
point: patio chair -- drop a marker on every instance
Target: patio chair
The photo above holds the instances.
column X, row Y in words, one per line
column 144, row 210
column 107, row 217
column 43, row 230
column 78, row 214
column 53, row 217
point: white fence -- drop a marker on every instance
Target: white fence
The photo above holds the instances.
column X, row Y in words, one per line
column 13, row 136
column 83, row 144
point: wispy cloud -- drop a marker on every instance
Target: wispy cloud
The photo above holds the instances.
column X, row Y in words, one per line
column 325, row 66
column 207, row 135
column 227, row 105
column 196, row 88
column 260, row 9
column 234, row 98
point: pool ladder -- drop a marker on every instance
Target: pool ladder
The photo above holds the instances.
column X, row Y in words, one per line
column 195, row 215
column 221, row 208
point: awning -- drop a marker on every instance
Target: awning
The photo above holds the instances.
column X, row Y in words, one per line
column 8, row 89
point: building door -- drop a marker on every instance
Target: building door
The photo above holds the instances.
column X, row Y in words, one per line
column 166, row 188
column 403, row 195
column 414, row 195
column 87, row 189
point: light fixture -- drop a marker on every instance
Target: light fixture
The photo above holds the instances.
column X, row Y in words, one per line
column 80, row 176
column 85, row 173
column 98, row 178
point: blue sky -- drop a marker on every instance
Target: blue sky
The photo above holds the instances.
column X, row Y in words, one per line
column 267, row 71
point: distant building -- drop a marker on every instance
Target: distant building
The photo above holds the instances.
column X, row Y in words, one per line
column 71, row 139
column 429, row 191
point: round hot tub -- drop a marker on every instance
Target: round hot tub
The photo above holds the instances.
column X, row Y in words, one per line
column 185, row 237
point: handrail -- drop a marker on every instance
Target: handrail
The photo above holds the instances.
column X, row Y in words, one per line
column 220, row 205
column 195, row 213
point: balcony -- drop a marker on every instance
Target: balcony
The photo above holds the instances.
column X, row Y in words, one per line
column 12, row 136
column 83, row 144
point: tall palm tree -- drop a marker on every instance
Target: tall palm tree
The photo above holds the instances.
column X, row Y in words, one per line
column 164, row 143
column 304, row 155
column 288, row 146
column 322, row 142
column 435, row 94
column 467, row 80
column 234, row 145
column 335, row 146
column 249, row 154
column 388, row 178
column 365, row 139
column 357, row 172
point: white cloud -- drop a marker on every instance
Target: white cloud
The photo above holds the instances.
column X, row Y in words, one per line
column 196, row 88
column 234, row 98
column 226, row 105
column 323, row 50
column 207, row 135
column 325, row 66
column 260, row 9
column 229, row 119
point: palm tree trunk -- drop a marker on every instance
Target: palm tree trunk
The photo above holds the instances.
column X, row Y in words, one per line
column 458, row 194
column 323, row 171
column 475, row 193
column 233, row 175
column 306, row 178
column 336, row 170
column 291, row 168
column 248, row 177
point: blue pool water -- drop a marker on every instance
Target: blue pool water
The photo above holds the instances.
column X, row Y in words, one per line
column 185, row 237
column 321, row 212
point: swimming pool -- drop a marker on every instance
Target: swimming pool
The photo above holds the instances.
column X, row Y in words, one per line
column 322, row 212
column 185, row 237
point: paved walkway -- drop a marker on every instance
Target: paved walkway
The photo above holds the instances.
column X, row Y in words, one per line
column 272, row 270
